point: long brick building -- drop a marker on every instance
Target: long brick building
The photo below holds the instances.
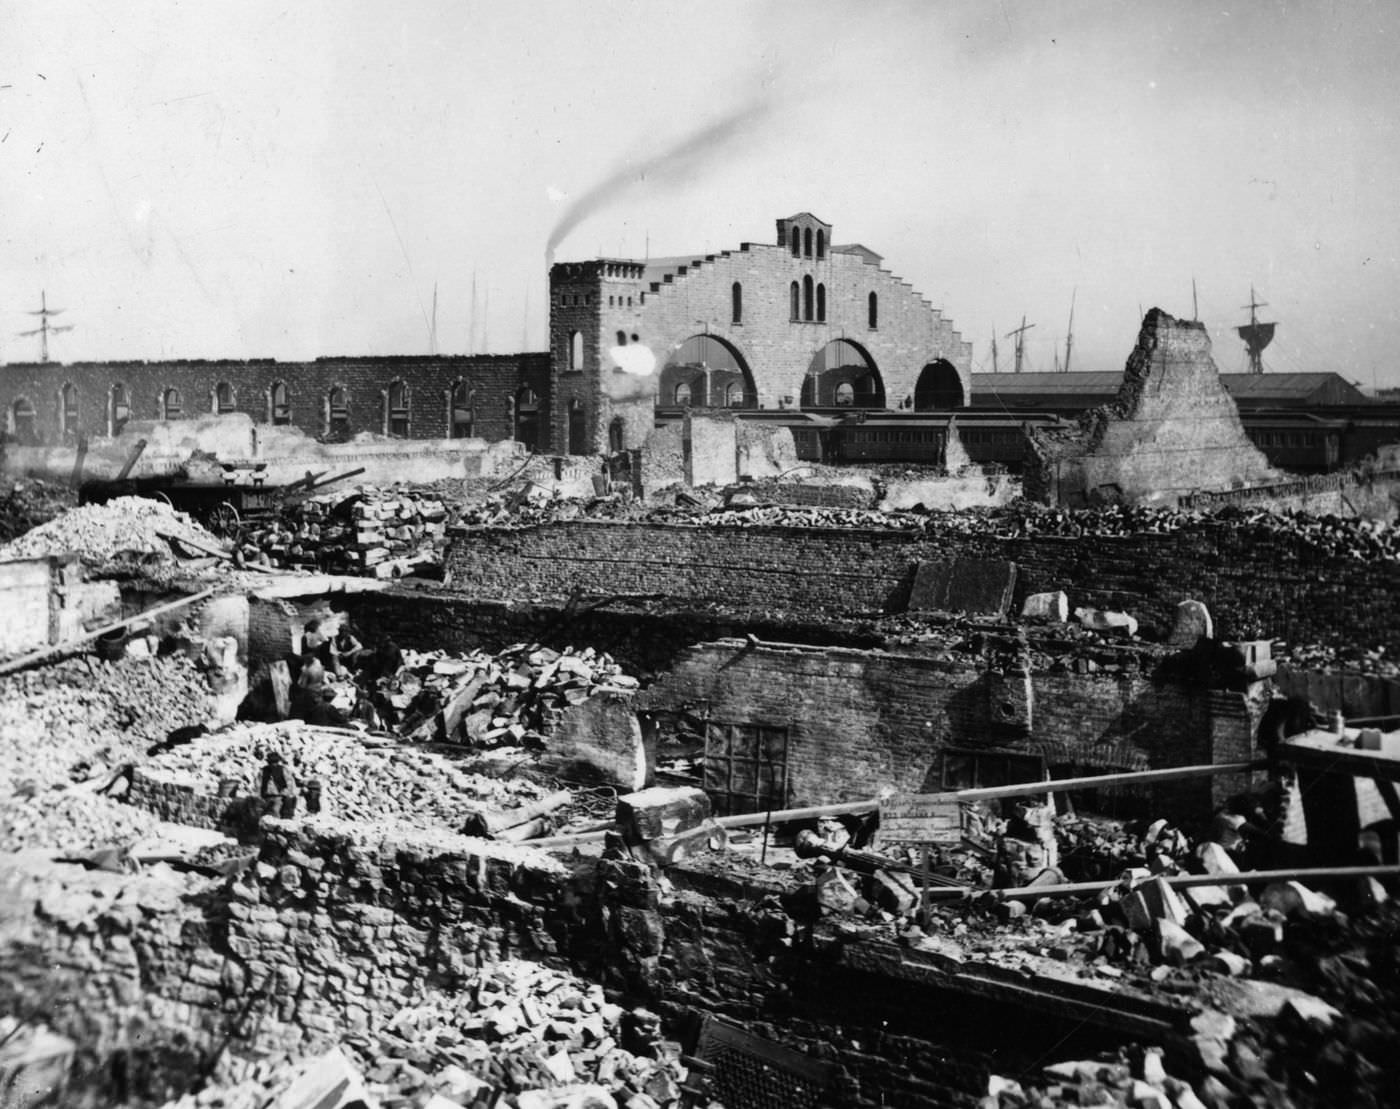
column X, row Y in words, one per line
column 797, row 323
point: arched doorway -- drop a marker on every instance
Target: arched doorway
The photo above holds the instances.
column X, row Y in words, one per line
column 527, row 417
column 939, row 388
column 842, row 375
column 707, row 372
column 118, row 409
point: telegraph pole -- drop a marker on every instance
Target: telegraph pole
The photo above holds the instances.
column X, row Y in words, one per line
column 44, row 327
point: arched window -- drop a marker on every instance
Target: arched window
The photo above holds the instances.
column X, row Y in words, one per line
column 821, row 243
column 821, row 303
column 807, row 298
column 683, row 394
column 874, row 312
column 119, row 409
column 575, row 350
column 223, row 398
column 171, row 404
column 734, row 395
column 621, row 340
column 807, row 242
column 396, row 410
column 736, row 299
column 463, row 422
column 69, row 418
column 796, row 242
column 337, row 411
column 792, row 315
column 22, row 422
column 616, row 439
column 845, row 394
column 280, row 404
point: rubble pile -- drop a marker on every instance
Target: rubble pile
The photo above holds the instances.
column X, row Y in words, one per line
column 514, row 1035
column 523, row 508
column 370, row 532
column 82, row 717
column 25, row 504
column 69, row 821
column 1105, row 1084
column 501, row 699
column 788, row 516
column 358, row 781
column 99, row 532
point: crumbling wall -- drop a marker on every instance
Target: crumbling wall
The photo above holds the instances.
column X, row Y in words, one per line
column 859, row 722
column 1257, row 584
column 1172, row 430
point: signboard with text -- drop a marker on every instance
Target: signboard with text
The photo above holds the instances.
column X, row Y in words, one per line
column 928, row 818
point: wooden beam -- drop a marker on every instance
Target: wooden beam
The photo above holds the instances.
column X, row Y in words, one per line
column 1133, row 777
column 87, row 637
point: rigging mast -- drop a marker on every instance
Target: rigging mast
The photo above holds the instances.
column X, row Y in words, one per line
column 45, row 327
column 1256, row 335
column 1020, row 334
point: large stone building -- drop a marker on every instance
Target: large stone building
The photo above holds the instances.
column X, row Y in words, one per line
column 797, row 323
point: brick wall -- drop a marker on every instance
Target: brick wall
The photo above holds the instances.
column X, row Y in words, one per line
column 859, row 722
column 1258, row 584
column 494, row 381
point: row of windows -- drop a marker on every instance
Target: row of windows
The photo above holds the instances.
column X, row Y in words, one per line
column 172, row 406
column 1286, row 438
column 893, row 436
column 733, row 394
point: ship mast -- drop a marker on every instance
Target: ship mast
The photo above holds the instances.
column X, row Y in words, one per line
column 44, row 327
column 1020, row 334
column 1256, row 335
column 1069, row 334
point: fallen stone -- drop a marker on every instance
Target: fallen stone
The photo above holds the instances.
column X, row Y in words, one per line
column 1193, row 623
column 1178, row 947
column 1294, row 898
column 1227, row 962
column 1047, row 606
column 1312, row 1011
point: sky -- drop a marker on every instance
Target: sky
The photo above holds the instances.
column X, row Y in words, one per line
column 289, row 180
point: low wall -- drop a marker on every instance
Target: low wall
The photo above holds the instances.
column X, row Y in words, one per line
column 1257, row 583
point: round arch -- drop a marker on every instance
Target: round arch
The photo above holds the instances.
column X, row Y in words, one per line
column 842, row 374
column 939, row 388
column 709, row 372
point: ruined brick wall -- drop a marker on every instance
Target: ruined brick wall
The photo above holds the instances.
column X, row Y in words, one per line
column 1258, row 584
column 494, row 381
column 1172, row 430
column 859, row 722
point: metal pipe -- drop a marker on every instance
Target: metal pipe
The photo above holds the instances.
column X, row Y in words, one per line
column 1186, row 881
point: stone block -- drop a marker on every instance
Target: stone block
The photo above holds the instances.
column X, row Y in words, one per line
column 1047, row 606
column 1193, row 623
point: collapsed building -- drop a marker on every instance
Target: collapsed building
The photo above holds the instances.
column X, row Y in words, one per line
column 532, row 783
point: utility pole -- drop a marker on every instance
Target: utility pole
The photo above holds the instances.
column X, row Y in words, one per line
column 1020, row 334
column 1069, row 335
column 44, row 328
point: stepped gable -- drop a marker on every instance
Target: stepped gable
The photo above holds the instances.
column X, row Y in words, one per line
column 1172, row 430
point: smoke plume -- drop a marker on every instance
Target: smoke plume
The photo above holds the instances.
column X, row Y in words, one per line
column 680, row 162
column 632, row 375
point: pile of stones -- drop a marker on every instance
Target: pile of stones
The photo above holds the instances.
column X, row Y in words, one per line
column 515, row 1035
column 1142, row 1083
column 98, row 532
column 27, row 503
column 500, row 699
column 68, row 821
column 78, row 718
column 370, row 532
column 359, row 781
